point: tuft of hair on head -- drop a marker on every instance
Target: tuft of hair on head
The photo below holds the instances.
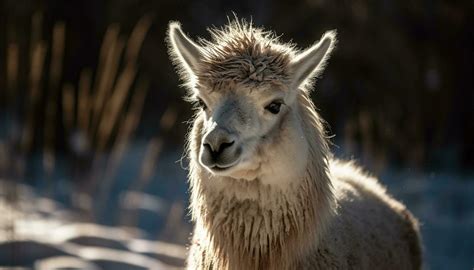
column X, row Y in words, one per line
column 258, row 54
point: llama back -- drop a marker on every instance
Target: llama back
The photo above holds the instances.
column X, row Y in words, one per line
column 371, row 230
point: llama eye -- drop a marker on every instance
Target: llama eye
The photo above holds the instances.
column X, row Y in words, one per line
column 274, row 107
column 201, row 104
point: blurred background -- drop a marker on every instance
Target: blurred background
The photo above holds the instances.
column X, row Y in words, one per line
column 92, row 121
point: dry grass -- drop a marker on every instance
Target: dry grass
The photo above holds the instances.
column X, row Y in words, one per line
column 96, row 117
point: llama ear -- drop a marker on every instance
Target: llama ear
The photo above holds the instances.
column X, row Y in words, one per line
column 311, row 62
column 185, row 52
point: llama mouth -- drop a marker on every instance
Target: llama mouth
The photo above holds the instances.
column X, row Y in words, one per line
column 220, row 169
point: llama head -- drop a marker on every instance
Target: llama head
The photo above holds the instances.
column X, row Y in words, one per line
column 246, row 84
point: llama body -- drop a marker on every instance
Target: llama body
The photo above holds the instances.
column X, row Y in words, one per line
column 265, row 191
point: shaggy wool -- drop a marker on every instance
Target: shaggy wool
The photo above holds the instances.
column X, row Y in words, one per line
column 333, row 216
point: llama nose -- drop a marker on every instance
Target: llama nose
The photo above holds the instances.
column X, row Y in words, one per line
column 222, row 147
column 217, row 142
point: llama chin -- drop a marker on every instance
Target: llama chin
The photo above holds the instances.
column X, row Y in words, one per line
column 265, row 190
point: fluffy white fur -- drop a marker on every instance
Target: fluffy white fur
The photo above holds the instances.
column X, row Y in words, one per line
column 286, row 204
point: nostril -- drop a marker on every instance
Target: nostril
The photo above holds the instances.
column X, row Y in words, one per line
column 208, row 147
column 224, row 146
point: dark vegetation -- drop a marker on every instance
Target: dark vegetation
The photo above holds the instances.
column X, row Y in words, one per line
column 398, row 90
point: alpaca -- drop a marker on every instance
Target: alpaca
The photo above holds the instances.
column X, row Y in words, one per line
column 266, row 192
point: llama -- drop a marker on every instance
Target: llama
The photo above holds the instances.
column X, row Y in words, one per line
column 266, row 192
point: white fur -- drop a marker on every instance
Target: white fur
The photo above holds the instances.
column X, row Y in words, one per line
column 285, row 204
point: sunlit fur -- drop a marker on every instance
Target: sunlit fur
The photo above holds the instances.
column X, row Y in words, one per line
column 329, row 215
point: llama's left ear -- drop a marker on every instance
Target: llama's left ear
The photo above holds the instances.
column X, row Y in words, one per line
column 311, row 62
column 184, row 52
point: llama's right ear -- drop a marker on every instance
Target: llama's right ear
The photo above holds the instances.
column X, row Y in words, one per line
column 185, row 53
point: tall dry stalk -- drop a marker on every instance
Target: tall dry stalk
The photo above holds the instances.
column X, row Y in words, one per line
column 107, row 112
column 35, row 77
column 57, row 51
column 114, row 106
column 13, row 58
column 98, row 114
column 114, row 109
column 110, row 53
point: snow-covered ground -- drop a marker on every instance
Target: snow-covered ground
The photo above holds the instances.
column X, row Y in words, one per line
column 39, row 233
column 444, row 204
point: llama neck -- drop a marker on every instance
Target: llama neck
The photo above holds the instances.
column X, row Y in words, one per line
column 267, row 226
